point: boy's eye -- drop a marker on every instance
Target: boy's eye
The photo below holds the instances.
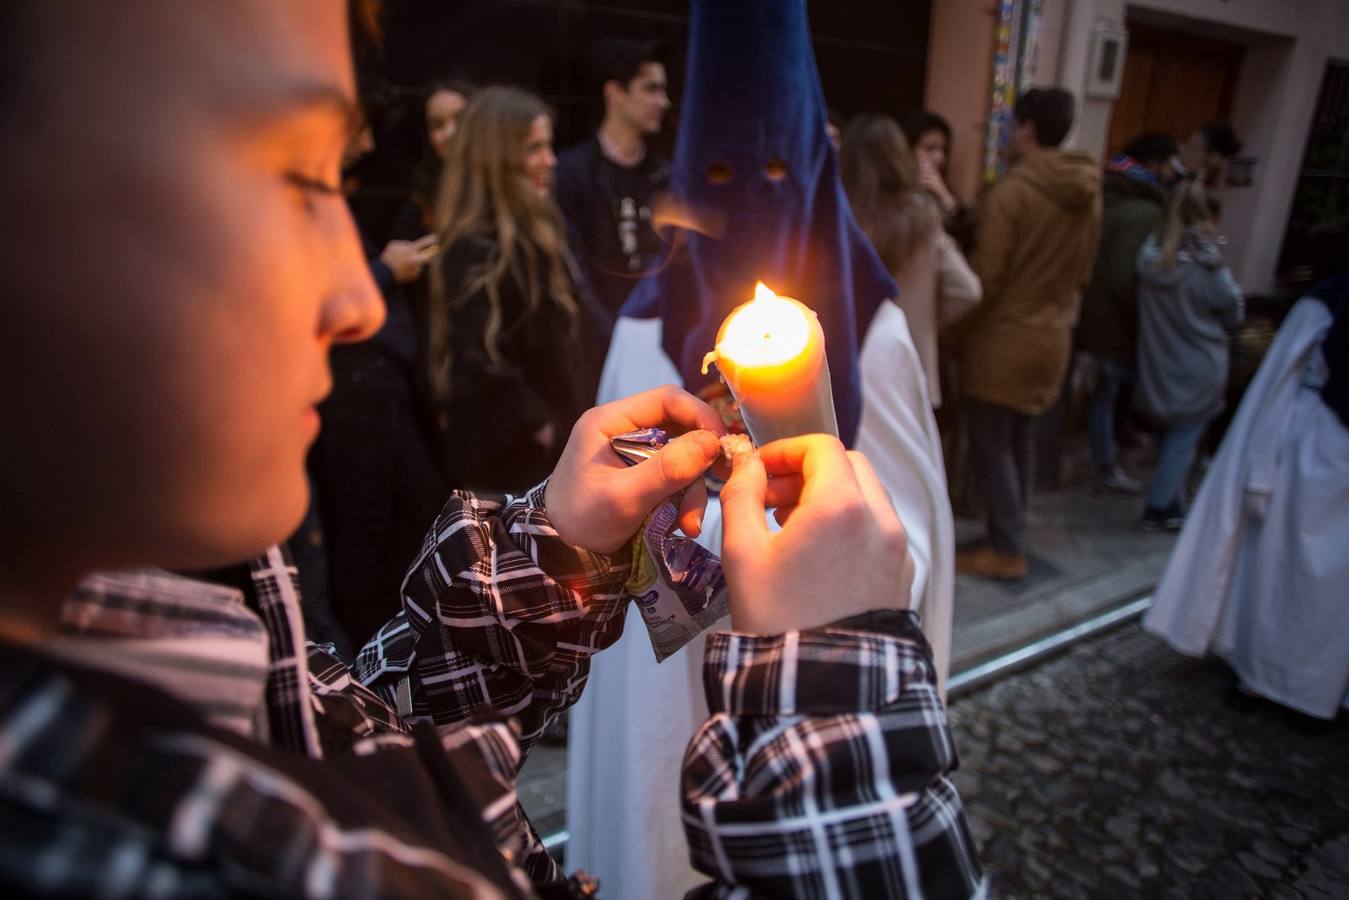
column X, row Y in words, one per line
column 316, row 185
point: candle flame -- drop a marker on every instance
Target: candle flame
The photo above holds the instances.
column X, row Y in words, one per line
column 767, row 331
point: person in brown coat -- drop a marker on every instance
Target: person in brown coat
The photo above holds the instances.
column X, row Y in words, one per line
column 1038, row 232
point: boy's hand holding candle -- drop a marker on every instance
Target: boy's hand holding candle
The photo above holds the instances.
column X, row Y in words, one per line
column 842, row 550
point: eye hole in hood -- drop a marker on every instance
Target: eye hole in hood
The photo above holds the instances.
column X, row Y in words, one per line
column 775, row 169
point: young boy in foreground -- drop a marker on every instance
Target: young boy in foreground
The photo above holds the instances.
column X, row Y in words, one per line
column 181, row 260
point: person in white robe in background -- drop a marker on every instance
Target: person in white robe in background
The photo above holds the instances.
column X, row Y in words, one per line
column 1260, row 576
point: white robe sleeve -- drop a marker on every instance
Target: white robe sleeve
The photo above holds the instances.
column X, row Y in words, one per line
column 899, row 437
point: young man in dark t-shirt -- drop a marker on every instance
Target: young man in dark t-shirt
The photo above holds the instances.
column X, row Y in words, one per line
column 606, row 182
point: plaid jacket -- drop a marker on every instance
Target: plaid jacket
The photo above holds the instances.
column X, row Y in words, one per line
column 180, row 741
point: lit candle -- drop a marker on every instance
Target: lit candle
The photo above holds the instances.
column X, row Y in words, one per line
column 770, row 351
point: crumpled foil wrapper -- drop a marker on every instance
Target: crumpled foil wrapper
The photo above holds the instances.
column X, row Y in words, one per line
column 677, row 584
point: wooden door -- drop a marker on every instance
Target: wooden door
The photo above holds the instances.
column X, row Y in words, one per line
column 1173, row 82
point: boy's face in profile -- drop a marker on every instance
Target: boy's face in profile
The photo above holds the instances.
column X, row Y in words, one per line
column 645, row 99
column 180, row 263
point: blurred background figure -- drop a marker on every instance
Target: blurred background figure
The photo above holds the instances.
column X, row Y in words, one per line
column 1188, row 304
column 437, row 118
column 377, row 485
column 1134, row 187
column 1038, row 232
column 1258, row 576
column 444, row 102
column 606, row 183
column 506, row 364
column 930, row 137
column 1206, row 152
column 904, row 224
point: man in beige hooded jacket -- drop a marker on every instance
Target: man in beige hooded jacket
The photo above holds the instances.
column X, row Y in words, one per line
column 1038, row 232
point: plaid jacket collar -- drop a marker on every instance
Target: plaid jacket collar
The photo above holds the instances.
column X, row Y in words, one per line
column 244, row 667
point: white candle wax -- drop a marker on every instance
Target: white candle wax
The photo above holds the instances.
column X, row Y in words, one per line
column 771, row 353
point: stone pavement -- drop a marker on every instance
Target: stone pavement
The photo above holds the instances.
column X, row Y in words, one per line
column 1117, row 770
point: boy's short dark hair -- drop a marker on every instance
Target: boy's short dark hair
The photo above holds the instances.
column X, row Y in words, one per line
column 1151, row 147
column 618, row 59
column 920, row 122
column 1221, row 138
column 1051, row 110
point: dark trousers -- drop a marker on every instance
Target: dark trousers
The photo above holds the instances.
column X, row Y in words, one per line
column 1002, row 461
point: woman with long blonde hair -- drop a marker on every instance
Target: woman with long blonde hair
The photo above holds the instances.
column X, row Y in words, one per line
column 505, row 316
column 1188, row 303
column 903, row 223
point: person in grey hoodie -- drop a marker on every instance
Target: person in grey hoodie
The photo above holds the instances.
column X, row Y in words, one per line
column 1188, row 303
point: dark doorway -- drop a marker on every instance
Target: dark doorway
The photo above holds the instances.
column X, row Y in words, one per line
column 1173, row 82
column 1322, row 196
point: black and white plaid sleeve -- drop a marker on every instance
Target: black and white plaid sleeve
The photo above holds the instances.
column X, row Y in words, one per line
column 498, row 613
column 823, row 769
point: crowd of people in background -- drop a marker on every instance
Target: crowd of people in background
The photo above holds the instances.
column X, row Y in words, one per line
column 509, row 263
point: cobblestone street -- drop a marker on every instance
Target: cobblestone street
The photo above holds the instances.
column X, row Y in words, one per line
column 1117, row 770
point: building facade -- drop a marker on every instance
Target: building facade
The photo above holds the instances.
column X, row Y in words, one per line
column 1277, row 69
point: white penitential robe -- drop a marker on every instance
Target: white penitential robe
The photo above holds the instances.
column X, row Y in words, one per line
column 629, row 731
column 1260, row 572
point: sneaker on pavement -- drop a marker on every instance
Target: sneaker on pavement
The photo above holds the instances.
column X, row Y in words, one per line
column 1170, row 519
column 986, row 562
column 1115, row 479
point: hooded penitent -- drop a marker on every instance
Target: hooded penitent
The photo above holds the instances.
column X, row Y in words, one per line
column 756, row 183
column 1258, row 574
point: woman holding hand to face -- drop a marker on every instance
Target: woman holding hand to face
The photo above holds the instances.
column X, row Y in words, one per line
column 930, row 137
